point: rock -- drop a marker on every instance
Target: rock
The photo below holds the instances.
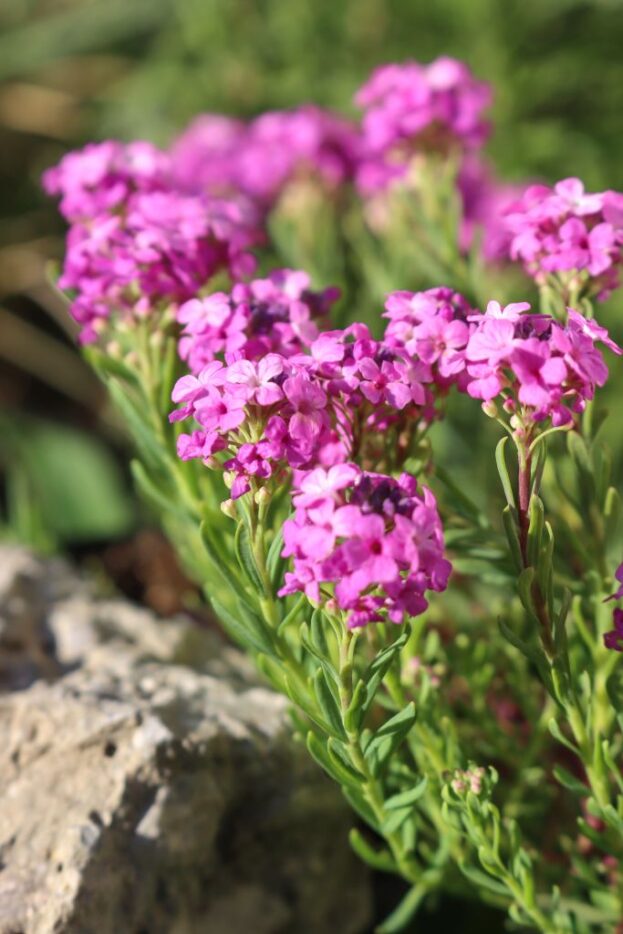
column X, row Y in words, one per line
column 150, row 785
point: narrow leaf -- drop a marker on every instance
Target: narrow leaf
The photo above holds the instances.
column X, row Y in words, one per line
column 500, row 460
column 381, row 860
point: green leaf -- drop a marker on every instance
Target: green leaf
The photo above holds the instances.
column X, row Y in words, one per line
column 400, row 723
column 275, row 564
column 158, row 497
column 482, row 880
column 612, row 515
column 395, row 820
column 143, row 435
column 318, row 634
column 570, row 782
column 531, row 652
column 328, row 704
column 220, row 566
column 292, row 614
column 460, row 501
column 339, row 753
column 558, row 735
column 402, row 915
column 509, row 517
column 331, row 764
column 524, row 589
column 107, row 366
column 388, row 737
column 381, row 860
column 579, row 452
column 353, row 715
column 376, row 671
column 500, row 460
column 407, row 798
column 246, row 559
column 359, row 804
column 251, row 633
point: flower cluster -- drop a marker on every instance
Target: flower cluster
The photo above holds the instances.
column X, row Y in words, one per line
column 258, row 159
column 468, row 780
column 377, row 540
column 614, row 638
column 547, row 369
column 135, row 241
column 565, row 231
column 413, row 107
column 279, row 314
column 100, row 178
column 349, row 396
column 433, row 326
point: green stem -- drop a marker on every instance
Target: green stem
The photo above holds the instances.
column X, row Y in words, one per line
column 372, row 788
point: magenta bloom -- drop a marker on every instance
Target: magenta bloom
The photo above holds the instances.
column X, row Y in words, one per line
column 566, row 232
column 136, row 242
column 377, row 542
column 299, row 410
column 279, row 314
column 413, row 107
column 100, row 177
column 258, row 159
column 434, row 327
column 549, row 369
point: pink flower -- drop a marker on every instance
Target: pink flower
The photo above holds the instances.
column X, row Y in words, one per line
column 258, row 380
column 308, row 401
column 614, row 638
column 433, row 327
column 568, row 233
column 279, row 314
column 412, row 106
column 548, row 369
column 376, row 540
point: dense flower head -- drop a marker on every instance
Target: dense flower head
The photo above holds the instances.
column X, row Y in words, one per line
column 349, row 396
column 100, row 177
column 278, row 314
column 375, row 540
column 259, row 158
column 412, row 107
column 566, row 232
column 136, row 242
column 537, row 365
column 204, row 156
column 433, row 326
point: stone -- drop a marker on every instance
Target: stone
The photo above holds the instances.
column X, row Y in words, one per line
column 150, row 783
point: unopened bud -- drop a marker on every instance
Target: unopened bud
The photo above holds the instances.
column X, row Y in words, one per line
column 262, row 496
column 490, row 408
column 229, row 508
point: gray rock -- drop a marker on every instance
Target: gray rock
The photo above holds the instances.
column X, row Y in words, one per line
column 151, row 785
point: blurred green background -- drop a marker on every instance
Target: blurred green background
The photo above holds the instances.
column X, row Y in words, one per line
column 75, row 70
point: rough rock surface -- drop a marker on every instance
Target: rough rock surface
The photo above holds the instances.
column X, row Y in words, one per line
column 149, row 786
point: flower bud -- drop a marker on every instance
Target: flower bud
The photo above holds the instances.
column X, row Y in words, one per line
column 229, row 508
